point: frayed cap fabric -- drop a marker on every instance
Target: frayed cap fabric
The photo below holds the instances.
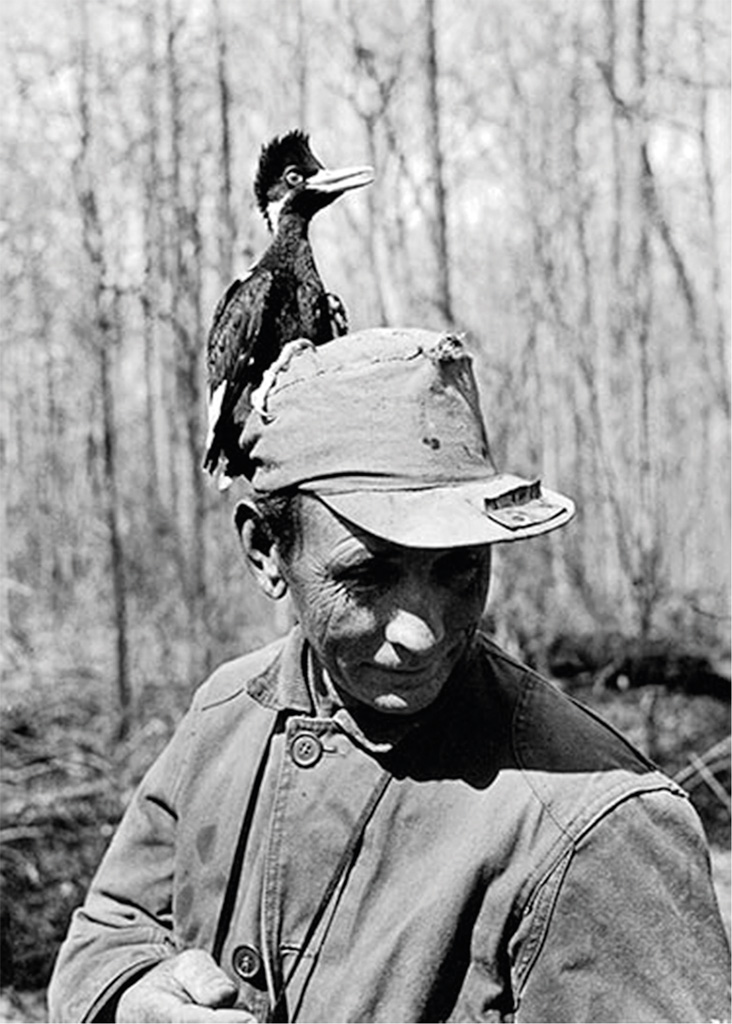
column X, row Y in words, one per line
column 384, row 426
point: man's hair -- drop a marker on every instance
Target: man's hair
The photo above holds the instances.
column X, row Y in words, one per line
column 280, row 519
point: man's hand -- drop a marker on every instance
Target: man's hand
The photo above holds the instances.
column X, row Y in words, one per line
column 190, row 988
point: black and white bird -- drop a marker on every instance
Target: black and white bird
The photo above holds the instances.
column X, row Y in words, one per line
column 281, row 300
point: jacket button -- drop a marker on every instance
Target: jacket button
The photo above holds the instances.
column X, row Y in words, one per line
column 247, row 963
column 306, row 750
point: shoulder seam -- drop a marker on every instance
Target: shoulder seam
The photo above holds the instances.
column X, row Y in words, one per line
column 559, row 866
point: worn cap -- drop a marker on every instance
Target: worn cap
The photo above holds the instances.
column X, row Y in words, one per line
column 384, row 426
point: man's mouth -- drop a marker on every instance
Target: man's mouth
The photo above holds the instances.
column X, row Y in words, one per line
column 435, row 663
column 408, row 668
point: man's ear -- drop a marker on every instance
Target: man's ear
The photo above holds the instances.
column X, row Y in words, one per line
column 260, row 550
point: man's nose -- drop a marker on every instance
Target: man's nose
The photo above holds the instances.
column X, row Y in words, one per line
column 417, row 623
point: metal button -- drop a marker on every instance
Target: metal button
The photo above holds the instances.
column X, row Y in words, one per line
column 247, row 963
column 306, row 750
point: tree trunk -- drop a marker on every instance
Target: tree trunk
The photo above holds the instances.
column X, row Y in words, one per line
column 301, row 64
column 188, row 333
column 609, row 10
column 387, row 299
column 157, row 458
column 373, row 109
column 4, row 499
column 646, row 582
column 611, row 330
column 709, row 476
column 111, row 491
column 104, row 339
column 443, row 296
column 227, row 229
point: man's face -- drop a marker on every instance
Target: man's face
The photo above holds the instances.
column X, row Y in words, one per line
column 388, row 623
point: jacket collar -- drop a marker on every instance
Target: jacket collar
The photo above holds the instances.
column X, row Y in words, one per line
column 289, row 684
column 282, row 686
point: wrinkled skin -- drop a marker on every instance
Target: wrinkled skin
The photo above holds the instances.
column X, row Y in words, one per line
column 388, row 623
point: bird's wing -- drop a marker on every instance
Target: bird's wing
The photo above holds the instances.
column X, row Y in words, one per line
column 237, row 326
column 223, row 335
column 233, row 352
column 226, row 299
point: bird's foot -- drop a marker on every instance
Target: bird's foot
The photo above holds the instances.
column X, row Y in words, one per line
column 337, row 315
column 283, row 360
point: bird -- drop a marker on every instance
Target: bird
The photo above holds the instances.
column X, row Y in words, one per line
column 281, row 300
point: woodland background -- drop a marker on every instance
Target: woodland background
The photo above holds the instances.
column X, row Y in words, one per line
column 552, row 178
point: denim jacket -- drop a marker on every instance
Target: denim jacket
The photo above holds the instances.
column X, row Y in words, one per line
column 519, row 861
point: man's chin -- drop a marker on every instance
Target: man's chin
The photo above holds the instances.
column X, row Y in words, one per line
column 395, row 704
column 400, row 691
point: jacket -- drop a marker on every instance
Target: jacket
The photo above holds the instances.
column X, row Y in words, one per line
column 511, row 858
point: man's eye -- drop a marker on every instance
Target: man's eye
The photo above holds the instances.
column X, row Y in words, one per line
column 373, row 576
column 459, row 569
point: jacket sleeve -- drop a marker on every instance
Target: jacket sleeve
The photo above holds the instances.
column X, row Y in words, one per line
column 125, row 923
column 628, row 928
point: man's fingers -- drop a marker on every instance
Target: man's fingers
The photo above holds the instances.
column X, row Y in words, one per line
column 189, row 988
column 202, row 978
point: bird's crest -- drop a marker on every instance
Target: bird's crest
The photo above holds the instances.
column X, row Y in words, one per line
column 276, row 155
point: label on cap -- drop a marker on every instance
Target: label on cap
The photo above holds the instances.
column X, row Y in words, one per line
column 517, row 517
column 521, row 495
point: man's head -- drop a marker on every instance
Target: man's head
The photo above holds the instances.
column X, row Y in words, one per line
column 376, row 502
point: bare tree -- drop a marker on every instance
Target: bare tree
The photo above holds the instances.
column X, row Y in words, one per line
column 302, row 62
column 443, row 290
column 158, row 454
column 189, row 333
column 227, row 224
column 373, row 106
column 105, row 324
column 720, row 333
column 646, row 580
column 5, row 427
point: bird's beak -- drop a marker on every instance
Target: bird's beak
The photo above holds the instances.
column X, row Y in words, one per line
column 343, row 179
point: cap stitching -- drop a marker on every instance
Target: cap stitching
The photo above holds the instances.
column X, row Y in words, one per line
column 419, row 350
column 276, row 388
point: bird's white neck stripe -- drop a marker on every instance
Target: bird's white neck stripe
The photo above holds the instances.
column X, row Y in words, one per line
column 274, row 209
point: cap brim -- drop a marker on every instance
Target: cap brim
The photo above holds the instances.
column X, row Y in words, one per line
column 460, row 515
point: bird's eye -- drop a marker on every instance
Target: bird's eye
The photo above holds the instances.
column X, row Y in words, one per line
column 293, row 177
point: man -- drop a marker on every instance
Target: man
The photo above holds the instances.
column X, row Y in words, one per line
column 384, row 817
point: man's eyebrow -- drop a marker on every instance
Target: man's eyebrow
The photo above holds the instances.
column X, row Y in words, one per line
column 361, row 556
